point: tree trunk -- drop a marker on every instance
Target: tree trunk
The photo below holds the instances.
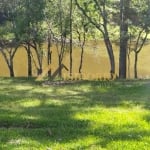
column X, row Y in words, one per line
column 135, row 66
column 39, row 55
column 124, row 7
column 129, row 65
column 60, row 62
column 9, row 61
column 49, row 55
column 109, row 48
column 39, row 71
column 70, row 37
column 81, row 60
column 11, row 68
column 29, row 61
column 82, row 44
column 137, row 50
column 111, row 56
column 103, row 29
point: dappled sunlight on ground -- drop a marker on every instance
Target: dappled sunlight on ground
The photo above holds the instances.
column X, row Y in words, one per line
column 87, row 115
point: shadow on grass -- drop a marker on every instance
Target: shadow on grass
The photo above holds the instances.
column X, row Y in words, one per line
column 19, row 80
column 119, row 95
column 147, row 118
column 50, row 123
column 108, row 94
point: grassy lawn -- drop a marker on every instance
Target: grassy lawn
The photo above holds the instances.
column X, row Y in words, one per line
column 90, row 115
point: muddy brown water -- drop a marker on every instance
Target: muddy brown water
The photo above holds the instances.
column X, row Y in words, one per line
column 95, row 62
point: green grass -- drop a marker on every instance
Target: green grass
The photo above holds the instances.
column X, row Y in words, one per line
column 90, row 115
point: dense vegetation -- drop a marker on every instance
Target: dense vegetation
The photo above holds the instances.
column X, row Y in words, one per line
column 89, row 115
column 29, row 24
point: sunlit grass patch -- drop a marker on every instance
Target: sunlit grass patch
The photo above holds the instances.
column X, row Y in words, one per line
column 30, row 103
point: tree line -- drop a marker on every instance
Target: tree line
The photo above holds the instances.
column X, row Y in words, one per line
column 31, row 23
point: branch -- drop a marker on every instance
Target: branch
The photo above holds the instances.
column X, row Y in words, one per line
column 137, row 41
column 14, row 52
column 98, row 26
column 143, row 41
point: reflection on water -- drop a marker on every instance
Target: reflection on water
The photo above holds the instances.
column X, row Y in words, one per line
column 95, row 62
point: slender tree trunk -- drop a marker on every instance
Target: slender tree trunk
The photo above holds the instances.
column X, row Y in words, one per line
column 61, row 56
column 129, row 65
column 49, row 55
column 63, row 36
column 82, row 43
column 135, row 66
column 128, row 54
column 39, row 55
column 81, row 60
column 70, row 37
column 108, row 44
column 11, row 68
column 111, row 56
column 9, row 61
column 60, row 63
column 138, row 48
column 124, row 7
column 29, row 57
column 29, row 60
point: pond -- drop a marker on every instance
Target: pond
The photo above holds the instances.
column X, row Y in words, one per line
column 95, row 62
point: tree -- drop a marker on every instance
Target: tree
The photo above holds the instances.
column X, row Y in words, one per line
column 124, row 9
column 61, row 21
column 82, row 39
column 50, row 12
column 29, row 30
column 71, row 21
column 81, row 28
column 8, row 50
column 97, row 14
column 139, row 29
column 8, row 40
column 49, row 51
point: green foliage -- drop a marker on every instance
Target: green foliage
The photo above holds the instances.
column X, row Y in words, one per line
column 81, row 115
column 28, row 15
column 28, row 20
column 139, row 14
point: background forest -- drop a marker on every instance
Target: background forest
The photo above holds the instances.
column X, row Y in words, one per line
column 44, row 35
